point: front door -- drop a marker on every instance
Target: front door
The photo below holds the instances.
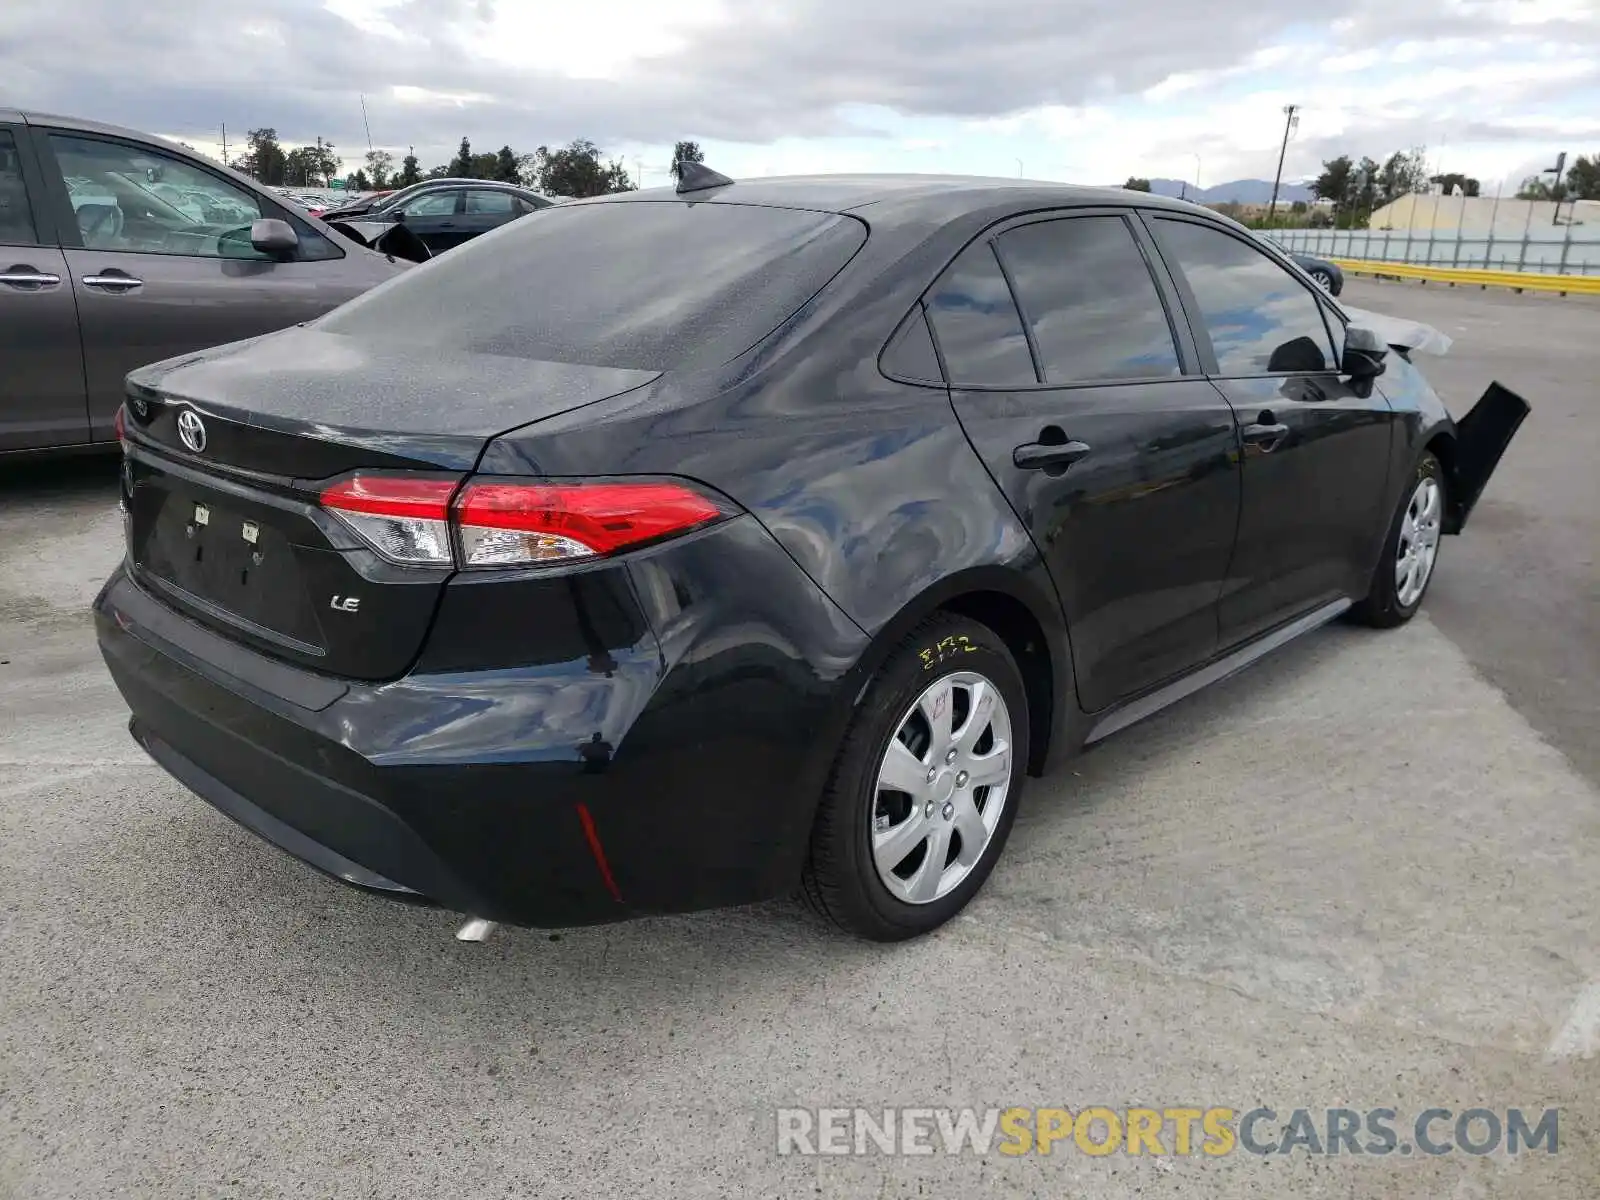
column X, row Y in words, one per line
column 1082, row 395
column 41, row 363
column 436, row 218
column 1316, row 451
column 160, row 260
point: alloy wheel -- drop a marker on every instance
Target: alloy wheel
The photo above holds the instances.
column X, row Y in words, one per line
column 1418, row 546
column 941, row 788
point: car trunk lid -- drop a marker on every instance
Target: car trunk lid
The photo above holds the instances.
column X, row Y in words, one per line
column 229, row 450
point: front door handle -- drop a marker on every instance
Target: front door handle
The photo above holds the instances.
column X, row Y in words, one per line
column 1265, row 431
column 1042, row 456
column 24, row 278
column 113, row 281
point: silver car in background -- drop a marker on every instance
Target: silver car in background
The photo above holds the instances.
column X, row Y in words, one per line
column 118, row 249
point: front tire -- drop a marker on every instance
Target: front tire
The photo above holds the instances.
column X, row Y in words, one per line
column 1410, row 551
column 925, row 787
column 1323, row 280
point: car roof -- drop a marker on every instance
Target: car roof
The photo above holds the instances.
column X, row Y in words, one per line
column 885, row 195
column 85, row 126
column 455, row 182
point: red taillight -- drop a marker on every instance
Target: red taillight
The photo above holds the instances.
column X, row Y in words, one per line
column 405, row 519
column 119, row 424
column 505, row 523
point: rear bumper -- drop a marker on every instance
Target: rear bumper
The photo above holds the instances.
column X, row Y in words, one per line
column 674, row 773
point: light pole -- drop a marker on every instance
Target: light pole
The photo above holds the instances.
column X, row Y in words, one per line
column 1019, row 168
column 1197, row 174
column 1289, row 122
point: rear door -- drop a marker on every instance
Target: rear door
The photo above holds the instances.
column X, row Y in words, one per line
column 41, row 364
column 484, row 209
column 1316, row 453
column 158, row 254
column 1090, row 411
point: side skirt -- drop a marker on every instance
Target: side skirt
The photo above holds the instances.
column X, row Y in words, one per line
column 1137, row 709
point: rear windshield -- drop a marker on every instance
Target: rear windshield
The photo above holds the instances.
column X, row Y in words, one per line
column 650, row 286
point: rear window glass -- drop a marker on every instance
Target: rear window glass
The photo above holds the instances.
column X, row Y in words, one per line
column 651, row 286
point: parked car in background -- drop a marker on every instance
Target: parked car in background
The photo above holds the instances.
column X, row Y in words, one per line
column 678, row 548
column 444, row 213
column 1324, row 274
column 358, row 206
column 117, row 249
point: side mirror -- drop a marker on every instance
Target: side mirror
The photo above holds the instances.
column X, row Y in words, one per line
column 275, row 238
column 398, row 214
column 1364, row 353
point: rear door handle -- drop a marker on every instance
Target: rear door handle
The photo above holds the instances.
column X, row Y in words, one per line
column 1265, row 431
column 113, row 283
column 1039, row 456
column 24, row 278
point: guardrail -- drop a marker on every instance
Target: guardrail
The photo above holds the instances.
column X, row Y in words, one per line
column 1522, row 281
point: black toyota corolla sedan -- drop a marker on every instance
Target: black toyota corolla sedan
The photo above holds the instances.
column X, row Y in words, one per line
column 688, row 547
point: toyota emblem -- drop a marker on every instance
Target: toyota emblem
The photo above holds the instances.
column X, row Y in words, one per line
column 192, row 430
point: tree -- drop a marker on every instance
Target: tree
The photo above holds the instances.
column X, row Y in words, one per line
column 1536, row 188
column 1401, row 174
column 684, row 152
column 265, row 159
column 310, row 166
column 506, row 169
column 359, row 182
column 1450, row 181
column 1336, row 181
column 410, row 171
column 576, row 170
column 300, row 167
column 440, row 172
column 1137, row 185
column 379, row 164
column 1583, row 178
column 461, row 164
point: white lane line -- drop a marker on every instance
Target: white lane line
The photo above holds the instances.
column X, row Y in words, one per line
column 1579, row 1037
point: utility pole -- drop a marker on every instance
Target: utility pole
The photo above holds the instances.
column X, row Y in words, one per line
column 1289, row 122
column 224, row 143
column 1556, row 188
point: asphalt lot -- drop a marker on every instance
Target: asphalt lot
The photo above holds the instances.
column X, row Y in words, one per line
column 1365, row 873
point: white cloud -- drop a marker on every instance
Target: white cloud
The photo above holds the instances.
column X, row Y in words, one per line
column 1093, row 91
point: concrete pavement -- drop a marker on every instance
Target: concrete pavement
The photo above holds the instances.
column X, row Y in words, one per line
column 1364, row 873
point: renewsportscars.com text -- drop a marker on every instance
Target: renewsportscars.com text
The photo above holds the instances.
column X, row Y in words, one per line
column 1100, row 1130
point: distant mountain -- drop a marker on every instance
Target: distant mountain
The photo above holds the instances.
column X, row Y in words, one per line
column 1240, row 191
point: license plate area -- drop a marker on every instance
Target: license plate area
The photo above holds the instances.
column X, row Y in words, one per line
column 226, row 562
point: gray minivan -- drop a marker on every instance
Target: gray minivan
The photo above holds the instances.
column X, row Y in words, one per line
column 118, row 249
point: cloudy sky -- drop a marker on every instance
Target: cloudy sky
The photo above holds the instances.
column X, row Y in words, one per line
column 1084, row 90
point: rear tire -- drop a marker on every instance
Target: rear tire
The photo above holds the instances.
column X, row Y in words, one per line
column 1410, row 552
column 888, row 863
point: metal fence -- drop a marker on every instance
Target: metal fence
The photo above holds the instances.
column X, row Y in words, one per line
column 1554, row 250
